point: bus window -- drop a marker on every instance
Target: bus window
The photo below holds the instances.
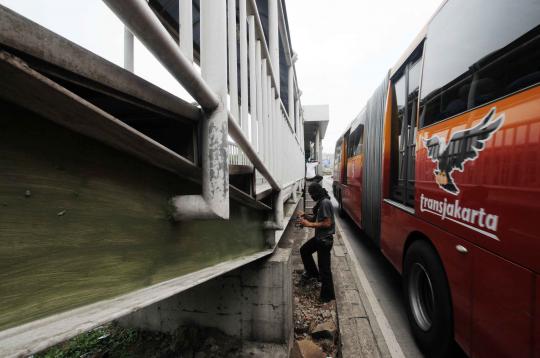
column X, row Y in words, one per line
column 404, row 113
column 472, row 59
column 337, row 159
column 356, row 139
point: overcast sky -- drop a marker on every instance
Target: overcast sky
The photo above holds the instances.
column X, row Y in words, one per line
column 345, row 48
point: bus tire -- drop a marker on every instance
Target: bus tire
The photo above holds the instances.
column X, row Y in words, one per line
column 341, row 210
column 429, row 306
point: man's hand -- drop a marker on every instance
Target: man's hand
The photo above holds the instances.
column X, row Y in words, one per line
column 305, row 223
column 326, row 223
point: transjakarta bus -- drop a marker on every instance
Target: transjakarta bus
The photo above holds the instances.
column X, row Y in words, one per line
column 442, row 170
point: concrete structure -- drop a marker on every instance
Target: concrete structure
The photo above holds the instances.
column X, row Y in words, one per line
column 316, row 119
column 117, row 167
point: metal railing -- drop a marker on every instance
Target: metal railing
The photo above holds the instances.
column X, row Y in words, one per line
column 235, row 156
column 256, row 118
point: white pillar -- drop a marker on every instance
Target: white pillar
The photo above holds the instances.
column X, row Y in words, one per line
column 252, row 81
column 266, row 131
column 185, row 28
column 233, row 61
column 128, row 50
column 259, row 98
column 273, row 130
column 273, row 34
column 291, row 95
column 215, row 174
column 243, row 67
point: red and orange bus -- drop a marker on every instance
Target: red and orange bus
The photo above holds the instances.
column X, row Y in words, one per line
column 441, row 170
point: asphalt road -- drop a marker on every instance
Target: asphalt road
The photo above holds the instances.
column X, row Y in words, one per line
column 384, row 280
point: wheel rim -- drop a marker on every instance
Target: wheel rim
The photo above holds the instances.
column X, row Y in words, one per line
column 421, row 297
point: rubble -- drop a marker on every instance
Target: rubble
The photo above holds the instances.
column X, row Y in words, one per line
column 313, row 316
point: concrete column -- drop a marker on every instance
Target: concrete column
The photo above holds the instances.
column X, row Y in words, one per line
column 243, row 67
column 186, row 28
column 233, row 72
column 253, row 302
column 273, row 34
column 129, row 60
column 215, row 173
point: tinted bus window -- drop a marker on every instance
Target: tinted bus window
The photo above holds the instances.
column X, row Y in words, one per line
column 355, row 141
column 477, row 53
column 337, row 156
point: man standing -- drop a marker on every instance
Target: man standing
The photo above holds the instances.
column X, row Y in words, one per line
column 323, row 222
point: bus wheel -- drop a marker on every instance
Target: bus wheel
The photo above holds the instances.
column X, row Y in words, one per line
column 341, row 210
column 429, row 307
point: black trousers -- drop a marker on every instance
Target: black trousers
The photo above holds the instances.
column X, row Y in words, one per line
column 322, row 247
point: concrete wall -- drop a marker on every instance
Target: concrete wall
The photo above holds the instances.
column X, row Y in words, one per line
column 253, row 302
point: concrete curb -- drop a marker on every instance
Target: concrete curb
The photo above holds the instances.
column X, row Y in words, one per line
column 357, row 338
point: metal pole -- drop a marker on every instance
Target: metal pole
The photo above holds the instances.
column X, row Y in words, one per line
column 186, row 28
column 128, row 50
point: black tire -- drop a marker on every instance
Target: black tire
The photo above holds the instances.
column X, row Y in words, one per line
column 341, row 211
column 429, row 305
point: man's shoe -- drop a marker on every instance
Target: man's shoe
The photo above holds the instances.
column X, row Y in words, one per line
column 306, row 279
column 326, row 299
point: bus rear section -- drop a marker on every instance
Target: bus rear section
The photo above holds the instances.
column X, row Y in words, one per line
column 460, row 170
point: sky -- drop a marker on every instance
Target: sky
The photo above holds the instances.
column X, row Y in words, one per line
column 345, row 48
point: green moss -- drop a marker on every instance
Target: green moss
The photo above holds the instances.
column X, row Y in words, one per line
column 114, row 234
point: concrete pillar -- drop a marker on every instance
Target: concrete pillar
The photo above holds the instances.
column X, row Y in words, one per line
column 253, row 302
column 215, row 171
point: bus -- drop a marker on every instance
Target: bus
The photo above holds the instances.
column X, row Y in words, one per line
column 441, row 170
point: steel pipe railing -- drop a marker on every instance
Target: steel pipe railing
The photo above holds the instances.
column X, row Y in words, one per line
column 276, row 145
column 143, row 23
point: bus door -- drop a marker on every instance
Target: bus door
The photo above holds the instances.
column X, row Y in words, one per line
column 404, row 128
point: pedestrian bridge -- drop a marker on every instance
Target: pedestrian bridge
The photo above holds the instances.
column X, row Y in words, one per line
column 135, row 169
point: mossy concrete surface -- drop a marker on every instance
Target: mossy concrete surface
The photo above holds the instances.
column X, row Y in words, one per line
column 81, row 222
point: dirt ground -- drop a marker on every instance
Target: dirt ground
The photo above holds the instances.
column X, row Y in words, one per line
column 309, row 312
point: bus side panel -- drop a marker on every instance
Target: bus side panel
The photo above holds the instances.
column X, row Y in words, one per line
column 498, row 197
column 352, row 196
column 536, row 337
column 396, row 227
column 502, row 307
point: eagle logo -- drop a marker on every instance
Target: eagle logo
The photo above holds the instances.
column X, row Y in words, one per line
column 463, row 146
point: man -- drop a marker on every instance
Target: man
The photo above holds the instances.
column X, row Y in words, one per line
column 323, row 222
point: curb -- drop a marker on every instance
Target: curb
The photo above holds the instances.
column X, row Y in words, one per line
column 357, row 338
